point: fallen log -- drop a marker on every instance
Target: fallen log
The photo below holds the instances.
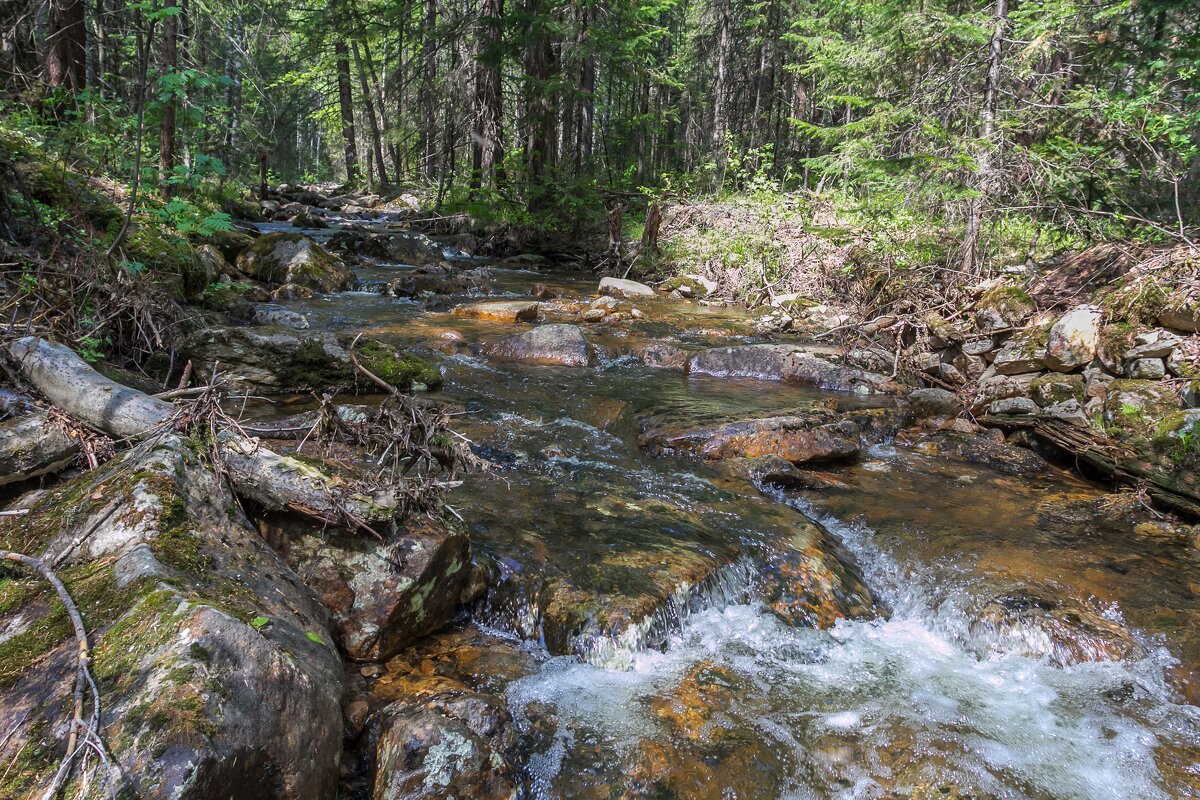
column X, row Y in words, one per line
column 255, row 472
column 1172, row 488
column 32, row 446
column 67, row 381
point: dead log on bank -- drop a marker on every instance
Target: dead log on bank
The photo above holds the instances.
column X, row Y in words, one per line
column 32, row 446
column 255, row 472
column 1177, row 489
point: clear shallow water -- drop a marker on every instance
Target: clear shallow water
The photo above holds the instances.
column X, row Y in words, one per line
column 692, row 688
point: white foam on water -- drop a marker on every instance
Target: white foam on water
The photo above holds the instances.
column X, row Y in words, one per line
column 1003, row 725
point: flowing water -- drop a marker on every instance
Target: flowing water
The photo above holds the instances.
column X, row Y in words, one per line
column 632, row 588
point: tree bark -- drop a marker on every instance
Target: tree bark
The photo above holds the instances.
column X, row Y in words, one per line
column 32, row 446
column 428, row 102
column 66, row 51
column 346, row 107
column 372, row 121
column 488, row 150
column 587, row 100
column 984, row 163
column 166, row 126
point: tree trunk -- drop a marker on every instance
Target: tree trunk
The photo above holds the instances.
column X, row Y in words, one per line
column 587, row 100
column 166, row 126
column 266, row 477
column 488, row 149
column 724, row 45
column 32, row 446
column 66, row 39
column 345, row 104
column 984, row 177
column 381, row 99
column 372, row 121
column 428, row 102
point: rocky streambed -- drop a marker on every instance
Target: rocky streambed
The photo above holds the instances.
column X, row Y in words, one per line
column 707, row 560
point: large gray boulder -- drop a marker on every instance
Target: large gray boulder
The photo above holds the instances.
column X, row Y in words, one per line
column 1023, row 354
column 1073, row 339
column 281, row 258
column 620, row 287
column 214, row 663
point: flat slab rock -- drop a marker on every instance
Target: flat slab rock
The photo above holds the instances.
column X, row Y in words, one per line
column 562, row 345
column 793, row 363
column 499, row 311
column 813, row 438
column 620, row 287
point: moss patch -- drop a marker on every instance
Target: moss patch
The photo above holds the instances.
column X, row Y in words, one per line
column 169, row 260
column 312, row 368
column 1010, row 303
column 405, row 372
column 1053, row 388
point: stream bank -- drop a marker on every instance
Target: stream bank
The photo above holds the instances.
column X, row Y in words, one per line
column 706, row 559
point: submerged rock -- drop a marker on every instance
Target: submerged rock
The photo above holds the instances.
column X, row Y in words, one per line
column 793, row 363
column 291, row 258
column 815, row 437
column 212, row 659
column 500, row 311
column 985, row 452
column 546, row 344
column 663, row 355
column 1065, row 632
column 811, row 581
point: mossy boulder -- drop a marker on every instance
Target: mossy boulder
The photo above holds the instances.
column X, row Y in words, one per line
column 1023, row 353
column 281, row 258
column 230, row 243
column 209, row 654
column 61, row 191
column 1002, row 306
column 1134, row 410
column 1046, row 390
column 169, row 261
column 272, row 360
column 1162, row 289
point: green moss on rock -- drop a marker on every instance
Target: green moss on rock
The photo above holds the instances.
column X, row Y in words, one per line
column 169, row 260
column 405, row 372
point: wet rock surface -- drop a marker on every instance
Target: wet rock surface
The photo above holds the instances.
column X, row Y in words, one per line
column 562, row 345
column 791, row 363
column 800, row 439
